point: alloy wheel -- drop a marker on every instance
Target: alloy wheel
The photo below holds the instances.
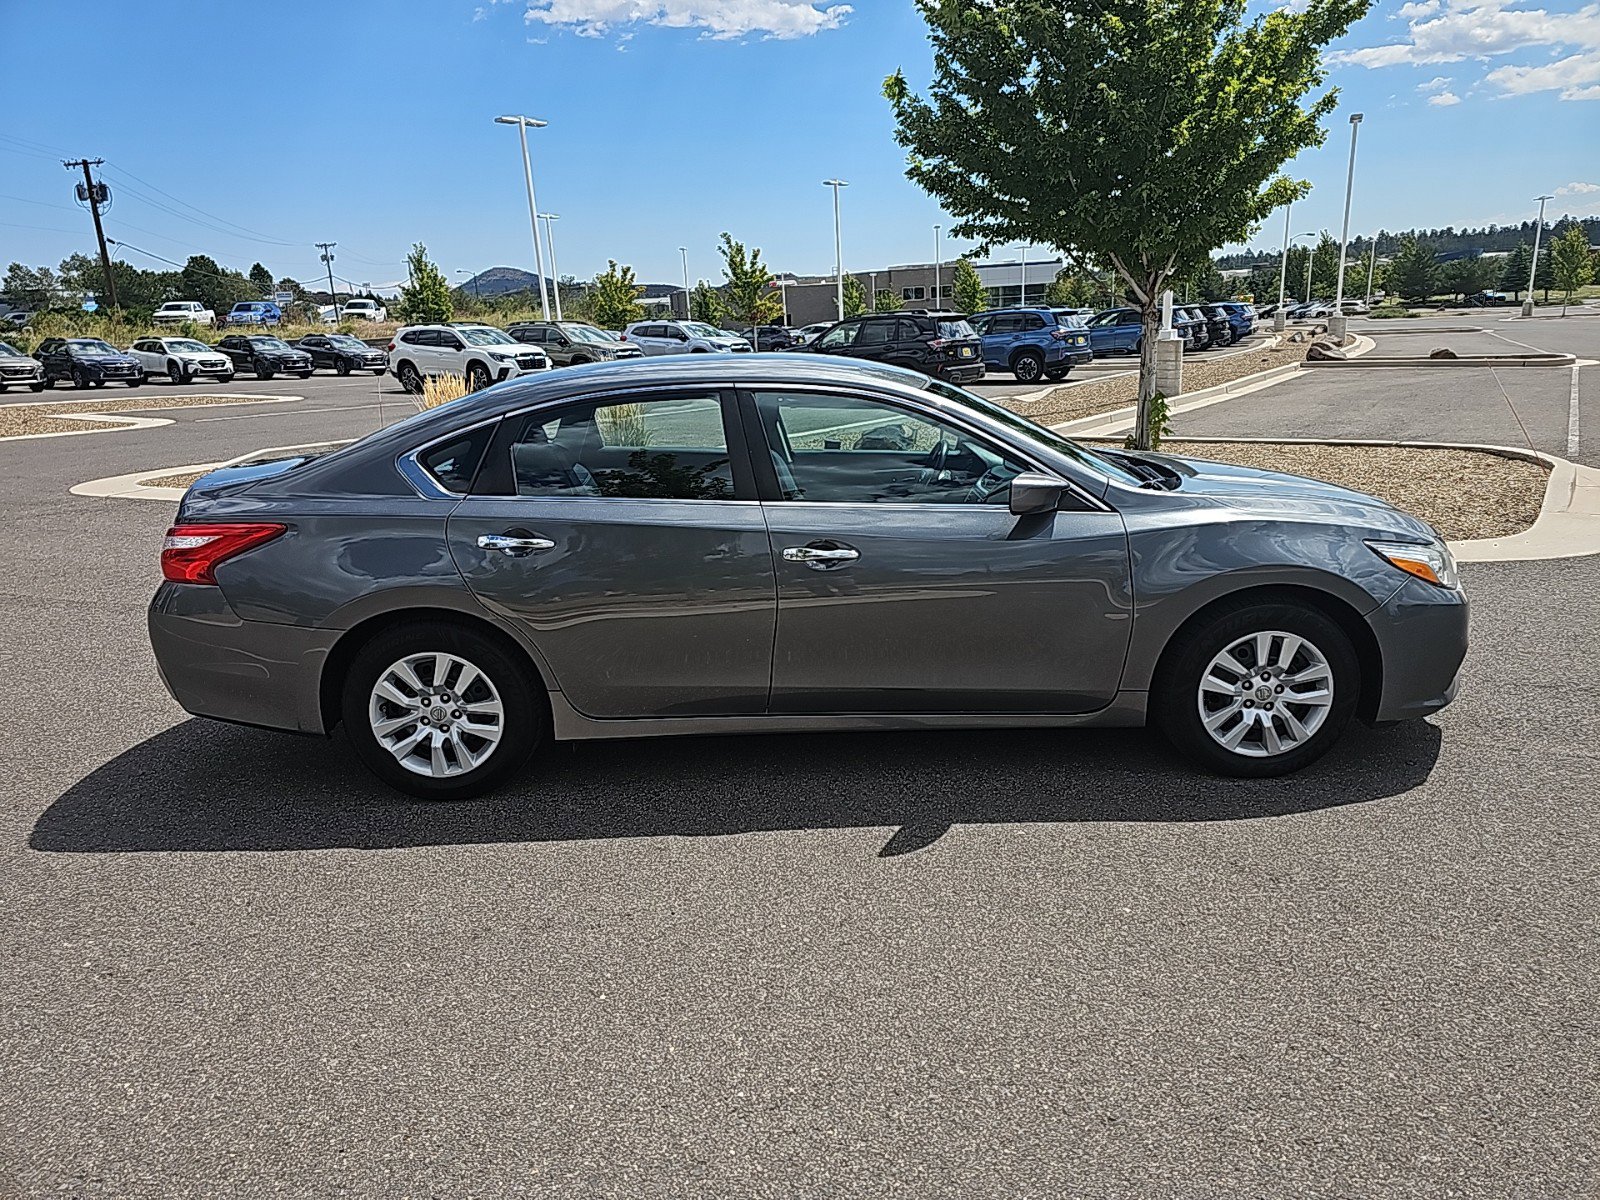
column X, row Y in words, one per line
column 1266, row 694
column 437, row 713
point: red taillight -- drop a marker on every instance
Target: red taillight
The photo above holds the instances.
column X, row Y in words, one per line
column 937, row 344
column 191, row 553
column 391, row 347
column 622, row 337
column 1059, row 334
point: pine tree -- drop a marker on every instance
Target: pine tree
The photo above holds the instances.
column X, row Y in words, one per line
column 1414, row 269
column 426, row 300
column 887, row 301
column 705, row 304
column 261, row 278
column 967, row 288
column 1514, row 275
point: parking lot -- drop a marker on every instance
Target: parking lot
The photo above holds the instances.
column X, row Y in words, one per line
column 1023, row 963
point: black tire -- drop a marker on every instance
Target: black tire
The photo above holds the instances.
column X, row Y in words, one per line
column 99, row 383
column 1176, row 702
column 1027, row 366
column 176, row 373
column 135, row 382
column 523, row 725
column 303, row 374
column 262, row 370
column 228, row 378
column 341, row 366
column 1056, row 373
column 410, row 378
column 49, row 382
column 381, row 371
column 79, row 379
column 477, row 377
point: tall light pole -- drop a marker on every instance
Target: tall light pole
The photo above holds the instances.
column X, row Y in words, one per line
column 555, row 272
column 1278, row 319
column 1533, row 271
column 687, row 311
column 523, row 124
column 1311, row 259
column 872, row 286
column 1336, row 323
column 838, row 241
column 937, row 255
column 1372, row 268
column 1022, row 296
column 783, row 291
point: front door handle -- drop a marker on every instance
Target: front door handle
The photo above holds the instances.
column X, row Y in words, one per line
column 514, row 547
column 822, row 557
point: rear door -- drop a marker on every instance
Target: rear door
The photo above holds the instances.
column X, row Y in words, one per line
column 624, row 536
column 905, row 584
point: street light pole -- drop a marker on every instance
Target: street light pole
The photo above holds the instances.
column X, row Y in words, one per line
column 937, row 254
column 1278, row 319
column 1311, row 259
column 1022, row 296
column 522, row 124
column 687, row 312
column 1533, row 271
column 555, row 271
column 1336, row 323
column 1372, row 269
column 838, row 242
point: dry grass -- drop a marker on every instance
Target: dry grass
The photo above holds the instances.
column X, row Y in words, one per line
column 440, row 389
column 1501, row 495
column 20, row 420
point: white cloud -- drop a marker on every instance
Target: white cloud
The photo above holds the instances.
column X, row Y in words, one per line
column 1444, row 99
column 1447, row 31
column 715, row 18
column 1577, row 189
column 1437, row 83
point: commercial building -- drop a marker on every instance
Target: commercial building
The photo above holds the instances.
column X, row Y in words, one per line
column 814, row 298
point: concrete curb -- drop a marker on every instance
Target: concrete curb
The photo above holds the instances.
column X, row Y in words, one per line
column 115, row 422
column 1465, row 360
column 1046, row 393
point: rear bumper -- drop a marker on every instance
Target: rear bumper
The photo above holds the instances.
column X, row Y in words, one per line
column 250, row 672
column 1422, row 636
column 960, row 372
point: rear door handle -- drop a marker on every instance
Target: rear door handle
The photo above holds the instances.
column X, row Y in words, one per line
column 514, row 547
column 823, row 557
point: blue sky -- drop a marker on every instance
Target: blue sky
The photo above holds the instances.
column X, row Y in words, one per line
column 249, row 132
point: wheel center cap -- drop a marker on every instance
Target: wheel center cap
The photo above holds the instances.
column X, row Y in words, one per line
column 437, row 715
column 1263, row 693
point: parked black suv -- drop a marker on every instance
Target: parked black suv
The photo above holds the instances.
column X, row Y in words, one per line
column 343, row 353
column 570, row 343
column 942, row 345
column 87, row 360
column 265, row 355
column 770, row 337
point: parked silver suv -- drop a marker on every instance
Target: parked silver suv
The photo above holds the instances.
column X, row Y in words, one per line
column 569, row 343
column 18, row 370
column 682, row 337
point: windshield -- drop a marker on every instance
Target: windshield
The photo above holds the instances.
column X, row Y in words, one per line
column 695, row 329
column 1067, row 322
column 956, row 329
column 10, row 351
column 90, row 346
column 581, row 333
column 261, row 343
column 1038, row 433
column 180, row 306
column 343, row 341
column 188, row 346
column 482, row 335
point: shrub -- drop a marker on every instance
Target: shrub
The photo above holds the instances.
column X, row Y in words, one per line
column 440, row 389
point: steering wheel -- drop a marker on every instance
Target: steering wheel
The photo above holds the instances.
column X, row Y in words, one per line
column 936, row 460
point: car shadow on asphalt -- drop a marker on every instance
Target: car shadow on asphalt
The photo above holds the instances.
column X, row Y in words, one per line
column 206, row 786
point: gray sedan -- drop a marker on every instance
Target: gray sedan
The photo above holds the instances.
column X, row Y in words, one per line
column 769, row 543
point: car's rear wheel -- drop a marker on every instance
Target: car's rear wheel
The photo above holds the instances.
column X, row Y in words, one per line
column 341, row 366
column 1028, row 366
column 1258, row 689
column 477, row 377
column 439, row 711
column 410, row 378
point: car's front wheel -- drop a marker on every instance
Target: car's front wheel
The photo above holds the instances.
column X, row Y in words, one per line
column 262, row 370
column 1258, row 689
column 410, row 378
column 440, row 711
column 79, row 379
column 175, row 372
column 341, row 366
column 477, row 377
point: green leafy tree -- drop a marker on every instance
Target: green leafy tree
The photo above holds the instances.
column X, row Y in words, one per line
column 1544, row 276
column 261, row 279
column 966, row 285
column 614, row 301
column 1514, row 275
column 30, row 287
column 705, row 304
column 1142, row 134
column 1571, row 264
column 748, row 295
column 855, row 296
column 887, row 300
column 1414, row 270
column 426, row 298
column 1325, row 267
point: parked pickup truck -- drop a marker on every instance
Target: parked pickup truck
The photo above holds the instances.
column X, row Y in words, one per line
column 176, row 311
column 363, row 310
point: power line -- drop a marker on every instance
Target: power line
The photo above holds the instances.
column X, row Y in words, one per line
column 244, row 230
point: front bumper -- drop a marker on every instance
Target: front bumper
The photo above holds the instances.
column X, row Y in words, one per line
column 1422, row 638
column 250, row 672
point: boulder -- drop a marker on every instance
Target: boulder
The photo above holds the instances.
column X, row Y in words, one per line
column 1323, row 350
column 1444, row 352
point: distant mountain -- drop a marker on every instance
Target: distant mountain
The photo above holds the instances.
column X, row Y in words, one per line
column 499, row 281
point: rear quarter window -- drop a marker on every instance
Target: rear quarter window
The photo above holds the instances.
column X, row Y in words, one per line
column 455, row 463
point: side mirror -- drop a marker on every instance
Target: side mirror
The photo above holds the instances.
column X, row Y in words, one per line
column 1034, row 492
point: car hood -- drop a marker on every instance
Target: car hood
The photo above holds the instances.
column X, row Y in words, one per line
column 115, row 359
column 1271, row 494
column 14, row 359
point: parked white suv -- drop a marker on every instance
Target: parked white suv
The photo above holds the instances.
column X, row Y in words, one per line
column 176, row 311
column 681, row 337
column 480, row 354
column 363, row 310
column 182, row 360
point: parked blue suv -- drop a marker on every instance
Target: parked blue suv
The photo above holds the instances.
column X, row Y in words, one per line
column 1032, row 343
column 1242, row 317
column 1121, row 330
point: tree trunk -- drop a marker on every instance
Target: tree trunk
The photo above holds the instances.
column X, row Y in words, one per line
column 1150, row 314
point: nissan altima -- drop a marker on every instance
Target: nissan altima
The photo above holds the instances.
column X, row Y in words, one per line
column 757, row 543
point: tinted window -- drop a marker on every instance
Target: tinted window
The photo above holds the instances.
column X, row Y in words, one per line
column 955, row 329
column 416, row 337
column 847, row 450
column 1030, row 321
column 1006, row 323
column 839, row 336
column 910, row 329
column 875, row 333
column 667, row 449
column 455, row 462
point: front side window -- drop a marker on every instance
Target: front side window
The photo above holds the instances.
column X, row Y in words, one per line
column 664, row 449
column 850, row 450
column 875, row 333
column 839, row 336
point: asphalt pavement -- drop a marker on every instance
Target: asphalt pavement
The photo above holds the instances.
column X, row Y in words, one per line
column 956, row 964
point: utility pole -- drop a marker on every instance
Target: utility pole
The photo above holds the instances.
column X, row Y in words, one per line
column 92, row 192
column 838, row 242
column 327, row 257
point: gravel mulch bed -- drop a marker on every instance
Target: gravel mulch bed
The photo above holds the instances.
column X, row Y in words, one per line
column 1103, row 395
column 19, row 419
column 174, row 481
column 1504, row 497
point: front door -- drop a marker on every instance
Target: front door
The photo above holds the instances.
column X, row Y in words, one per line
column 905, row 584
column 623, row 535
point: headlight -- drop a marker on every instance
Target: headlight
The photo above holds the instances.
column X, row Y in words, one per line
column 502, row 358
column 1432, row 563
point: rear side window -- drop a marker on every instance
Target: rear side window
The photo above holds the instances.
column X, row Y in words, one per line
column 455, row 463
